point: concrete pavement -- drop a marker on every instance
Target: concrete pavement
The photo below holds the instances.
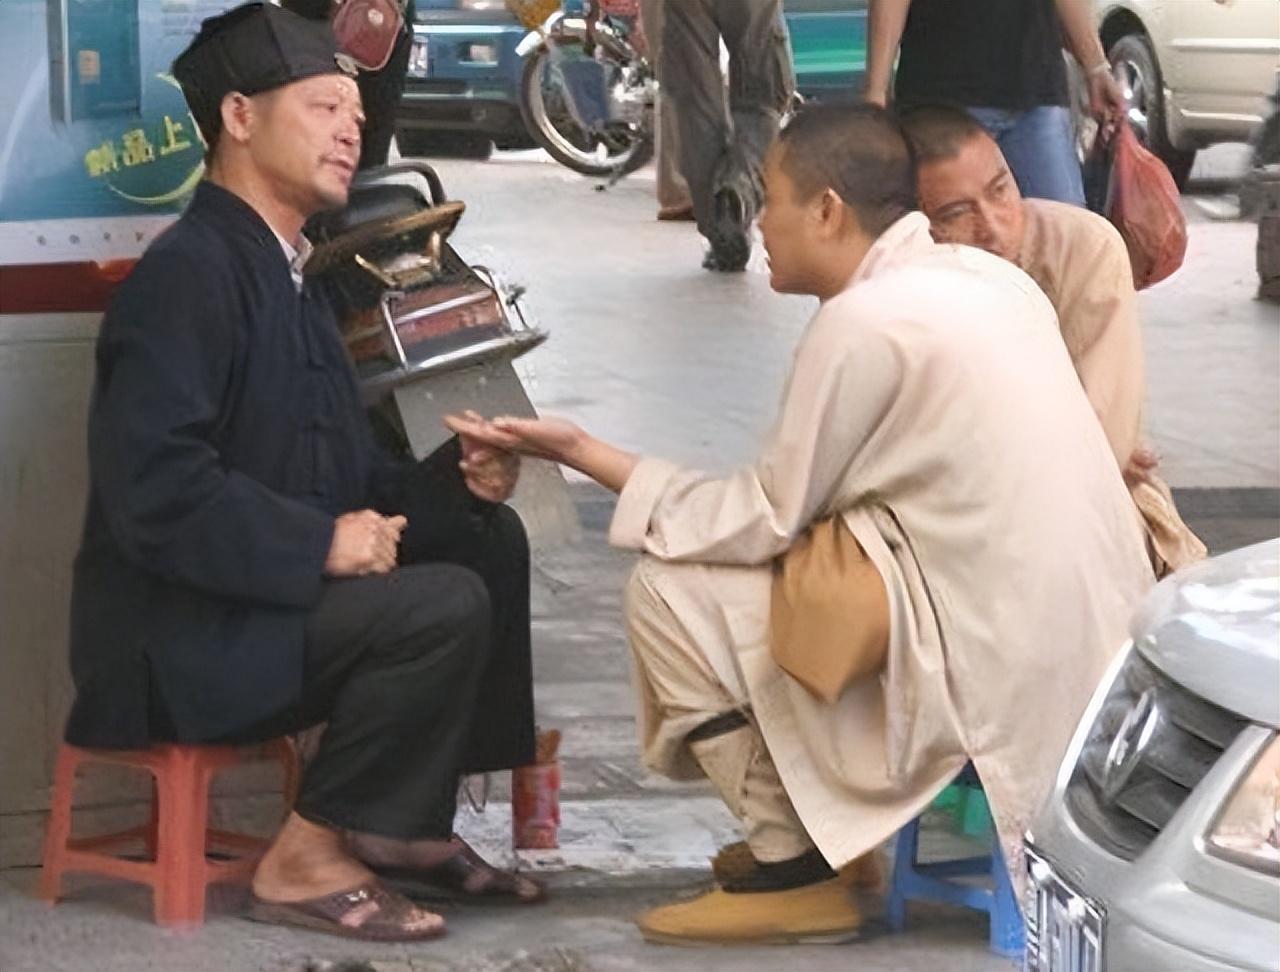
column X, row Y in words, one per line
column 654, row 353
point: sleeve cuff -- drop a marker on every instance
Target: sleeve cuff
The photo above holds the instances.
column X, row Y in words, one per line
column 321, row 542
column 644, row 488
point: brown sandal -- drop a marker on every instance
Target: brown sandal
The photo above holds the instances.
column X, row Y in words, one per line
column 464, row 876
column 370, row 912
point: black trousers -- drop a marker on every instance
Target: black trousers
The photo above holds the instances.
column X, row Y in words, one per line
column 422, row 674
column 394, row 665
column 380, row 93
column 723, row 145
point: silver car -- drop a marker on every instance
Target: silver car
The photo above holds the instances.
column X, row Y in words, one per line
column 1197, row 72
column 1159, row 847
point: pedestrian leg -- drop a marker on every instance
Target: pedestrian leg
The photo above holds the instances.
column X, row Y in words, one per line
column 1041, row 151
column 449, row 525
column 689, row 67
column 674, row 201
column 394, row 664
column 694, row 707
column 501, row 734
column 699, row 712
column 381, row 91
column 761, row 85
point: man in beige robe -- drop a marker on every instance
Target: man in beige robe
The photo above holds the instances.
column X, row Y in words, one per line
column 932, row 407
column 1080, row 262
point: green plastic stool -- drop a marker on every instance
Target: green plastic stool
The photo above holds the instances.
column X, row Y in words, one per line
column 967, row 806
column 976, row 821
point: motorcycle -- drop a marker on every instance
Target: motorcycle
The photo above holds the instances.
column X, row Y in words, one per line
column 413, row 313
column 588, row 91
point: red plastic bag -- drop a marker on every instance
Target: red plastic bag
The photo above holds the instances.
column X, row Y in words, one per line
column 1143, row 204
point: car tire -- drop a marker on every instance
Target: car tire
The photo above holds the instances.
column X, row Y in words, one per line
column 1134, row 64
column 426, row 143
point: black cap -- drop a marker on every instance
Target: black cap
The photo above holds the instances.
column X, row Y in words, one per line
column 251, row 49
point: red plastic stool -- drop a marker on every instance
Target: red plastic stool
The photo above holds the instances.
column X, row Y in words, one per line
column 177, row 837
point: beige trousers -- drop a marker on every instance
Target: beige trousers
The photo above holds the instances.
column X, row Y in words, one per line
column 681, row 687
column 673, row 191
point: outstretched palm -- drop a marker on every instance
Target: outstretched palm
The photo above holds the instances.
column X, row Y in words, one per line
column 541, row 438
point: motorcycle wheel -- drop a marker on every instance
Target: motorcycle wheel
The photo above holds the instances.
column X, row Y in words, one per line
column 548, row 119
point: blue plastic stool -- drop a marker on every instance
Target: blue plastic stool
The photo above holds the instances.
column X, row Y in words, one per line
column 914, row 881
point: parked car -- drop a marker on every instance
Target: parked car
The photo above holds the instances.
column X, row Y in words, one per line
column 1158, row 848
column 463, row 87
column 1197, row 72
column 463, row 82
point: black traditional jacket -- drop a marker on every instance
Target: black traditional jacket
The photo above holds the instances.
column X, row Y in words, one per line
column 225, row 436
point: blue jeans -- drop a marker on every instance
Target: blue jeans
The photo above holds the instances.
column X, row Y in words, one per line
column 1039, row 146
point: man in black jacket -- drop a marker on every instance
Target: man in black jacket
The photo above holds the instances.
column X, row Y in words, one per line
column 239, row 576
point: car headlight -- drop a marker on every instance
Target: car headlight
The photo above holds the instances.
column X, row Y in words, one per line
column 1248, row 832
column 419, row 59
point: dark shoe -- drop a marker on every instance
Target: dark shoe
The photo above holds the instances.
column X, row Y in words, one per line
column 730, row 244
column 735, row 863
column 798, row 872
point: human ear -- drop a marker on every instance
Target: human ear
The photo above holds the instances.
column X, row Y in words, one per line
column 830, row 214
column 237, row 116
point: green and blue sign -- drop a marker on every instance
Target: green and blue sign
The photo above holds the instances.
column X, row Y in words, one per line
column 91, row 122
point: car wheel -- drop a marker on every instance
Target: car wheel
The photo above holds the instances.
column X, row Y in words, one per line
column 417, row 142
column 1133, row 62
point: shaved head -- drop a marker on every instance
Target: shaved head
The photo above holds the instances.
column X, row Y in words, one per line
column 858, row 152
column 939, row 132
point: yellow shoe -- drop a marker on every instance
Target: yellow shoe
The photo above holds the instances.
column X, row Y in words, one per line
column 815, row 914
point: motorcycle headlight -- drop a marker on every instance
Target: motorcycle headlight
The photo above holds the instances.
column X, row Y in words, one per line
column 1248, row 831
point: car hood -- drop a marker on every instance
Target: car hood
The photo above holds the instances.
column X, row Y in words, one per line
column 1214, row 628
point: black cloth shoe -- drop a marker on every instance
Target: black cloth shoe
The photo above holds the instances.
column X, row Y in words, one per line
column 730, row 244
column 798, row 872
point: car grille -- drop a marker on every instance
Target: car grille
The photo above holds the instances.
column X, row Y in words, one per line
column 1124, row 791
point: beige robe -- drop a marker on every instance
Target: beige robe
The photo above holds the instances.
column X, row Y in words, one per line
column 1082, row 265
column 934, row 405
